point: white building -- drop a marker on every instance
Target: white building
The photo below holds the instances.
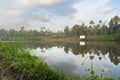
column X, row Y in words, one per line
column 82, row 37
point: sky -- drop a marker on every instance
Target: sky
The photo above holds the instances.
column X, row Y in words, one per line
column 55, row 14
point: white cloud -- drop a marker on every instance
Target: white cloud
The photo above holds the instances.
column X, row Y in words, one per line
column 14, row 13
column 107, row 9
column 8, row 17
column 33, row 3
column 50, row 2
column 45, row 18
column 89, row 10
column 21, row 11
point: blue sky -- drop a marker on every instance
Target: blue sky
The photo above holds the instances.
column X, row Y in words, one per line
column 55, row 14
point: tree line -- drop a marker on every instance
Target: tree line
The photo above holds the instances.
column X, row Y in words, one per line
column 26, row 35
column 101, row 28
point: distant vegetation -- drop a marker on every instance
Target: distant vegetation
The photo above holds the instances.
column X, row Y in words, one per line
column 95, row 29
column 100, row 29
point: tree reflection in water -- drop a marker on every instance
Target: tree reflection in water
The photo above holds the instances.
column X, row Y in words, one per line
column 73, row 59
column 100, row 49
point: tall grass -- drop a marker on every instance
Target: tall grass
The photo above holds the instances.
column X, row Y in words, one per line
column 118, row 39
column 102, row 38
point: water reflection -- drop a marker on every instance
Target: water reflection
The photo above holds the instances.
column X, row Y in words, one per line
column 74, row 59
column 97, row 48
column 82, row 43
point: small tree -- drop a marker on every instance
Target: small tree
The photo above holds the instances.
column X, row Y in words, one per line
column 67, row 31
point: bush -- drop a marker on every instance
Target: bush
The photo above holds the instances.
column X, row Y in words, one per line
column 118, row 38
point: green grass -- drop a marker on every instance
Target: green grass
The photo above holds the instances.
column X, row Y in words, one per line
column 118, row 38
column 20, row 65
column 102, row 38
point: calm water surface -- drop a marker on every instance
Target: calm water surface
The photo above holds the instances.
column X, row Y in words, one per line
column 75, row 58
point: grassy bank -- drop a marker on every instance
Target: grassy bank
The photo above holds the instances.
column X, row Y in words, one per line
column 102, row 38
column 69, row 39
column 65, row 39
column 77, row 39
column 18, row 64
column 118, row 39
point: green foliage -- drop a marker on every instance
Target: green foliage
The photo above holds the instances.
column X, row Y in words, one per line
column 95, row 29
column 102, row 38
column 24, row 35
column 92, row 22
column 67, row 31
column 93, row 75
column 114, row 26
column 118, row 38
column 6, row 78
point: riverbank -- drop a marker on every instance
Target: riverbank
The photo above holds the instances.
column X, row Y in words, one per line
column 77, row 39
column 102, row 38
column 19, row 64
column 69, row 39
